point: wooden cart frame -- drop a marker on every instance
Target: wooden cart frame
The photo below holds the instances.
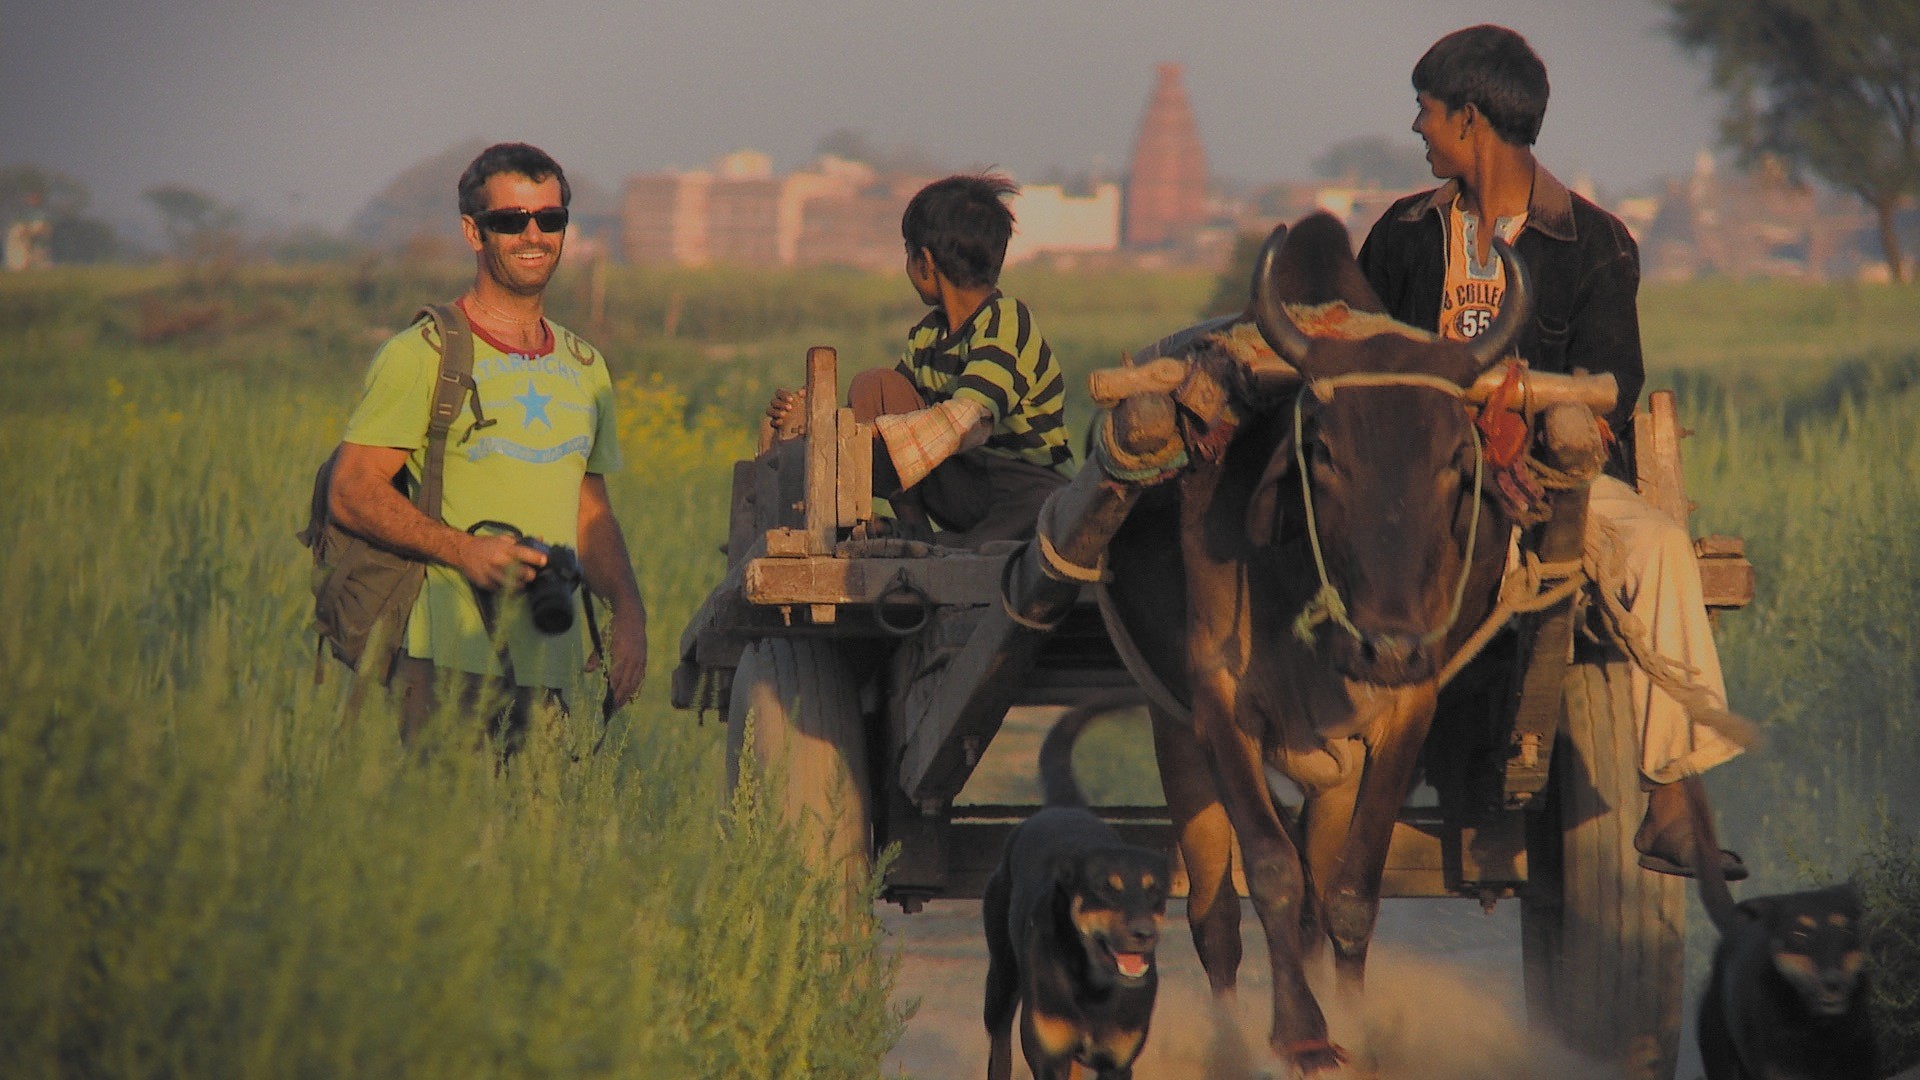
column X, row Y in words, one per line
column 876, row 672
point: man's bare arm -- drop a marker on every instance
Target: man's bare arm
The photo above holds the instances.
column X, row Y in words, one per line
column 363, row 500
column 609, row 573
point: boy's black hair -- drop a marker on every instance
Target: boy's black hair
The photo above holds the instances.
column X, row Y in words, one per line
column 1493, row 69
column 964, row 221
column 517, row 158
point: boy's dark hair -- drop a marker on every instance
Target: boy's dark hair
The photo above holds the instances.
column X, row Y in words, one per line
column 964, row 221
column 517, row 158
column 1493, row 69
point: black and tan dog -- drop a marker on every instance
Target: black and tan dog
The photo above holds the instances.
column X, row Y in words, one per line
column 1072, row 918
column 1787, row 999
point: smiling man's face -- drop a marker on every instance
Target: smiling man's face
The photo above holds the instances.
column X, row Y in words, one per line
column 520, row 263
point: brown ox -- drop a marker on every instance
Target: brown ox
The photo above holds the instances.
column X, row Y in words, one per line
column 1340, row 705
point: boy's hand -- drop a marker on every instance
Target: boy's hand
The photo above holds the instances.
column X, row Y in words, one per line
column 788, row 411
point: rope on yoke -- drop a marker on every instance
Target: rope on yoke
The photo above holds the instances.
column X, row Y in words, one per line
column 1006, row 601
column 1524, row 590
column 1058, row 566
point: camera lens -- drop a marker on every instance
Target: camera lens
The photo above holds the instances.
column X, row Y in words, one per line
column 551, row 605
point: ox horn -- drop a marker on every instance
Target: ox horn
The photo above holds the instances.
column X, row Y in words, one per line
column 1269, row 314
column 1491, row 344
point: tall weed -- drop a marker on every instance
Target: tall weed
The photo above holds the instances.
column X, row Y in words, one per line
column 213, row 868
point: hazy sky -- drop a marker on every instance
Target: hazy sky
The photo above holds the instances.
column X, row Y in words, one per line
column 303, row 109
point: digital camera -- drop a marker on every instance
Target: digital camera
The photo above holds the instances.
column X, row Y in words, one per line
column 550, row 593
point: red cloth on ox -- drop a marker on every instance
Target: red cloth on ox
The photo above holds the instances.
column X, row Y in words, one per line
column 1503, row 432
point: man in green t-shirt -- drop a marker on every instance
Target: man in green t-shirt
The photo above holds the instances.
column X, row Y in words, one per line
column 537, row 462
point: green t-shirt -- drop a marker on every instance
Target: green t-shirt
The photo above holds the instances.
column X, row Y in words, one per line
column 1000, row 360
column 550, row 422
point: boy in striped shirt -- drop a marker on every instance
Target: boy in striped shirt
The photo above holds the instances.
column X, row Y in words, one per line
column 972, row 435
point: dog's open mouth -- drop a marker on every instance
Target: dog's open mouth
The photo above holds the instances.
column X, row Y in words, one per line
column 1130, row 965
column 1831, row 1004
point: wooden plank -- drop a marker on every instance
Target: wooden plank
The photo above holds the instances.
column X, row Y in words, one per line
column 966, row 707
column 1656, row 436
column 1545, row 650
column 790, row 544
column 1424, row 859
column 822, row 511
column 965, row 580
column 1726, row 582
column 854, row 493
column 779, row 475
column 1717, row 546
column 742, row 527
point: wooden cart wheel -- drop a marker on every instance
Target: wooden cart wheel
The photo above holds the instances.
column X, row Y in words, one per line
column 1604, row 941
column 809, row 739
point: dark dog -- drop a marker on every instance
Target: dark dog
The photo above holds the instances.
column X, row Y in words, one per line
column 1786, row 999
column 1072, row 917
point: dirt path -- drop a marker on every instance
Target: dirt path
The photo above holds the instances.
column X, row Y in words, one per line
column 1445, row 1000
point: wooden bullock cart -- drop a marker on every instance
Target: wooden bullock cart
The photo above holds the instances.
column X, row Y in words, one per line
column 876, row 672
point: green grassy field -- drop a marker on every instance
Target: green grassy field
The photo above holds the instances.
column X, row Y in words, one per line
column 210, row 870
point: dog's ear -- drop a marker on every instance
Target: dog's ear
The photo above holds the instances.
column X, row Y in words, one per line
column 1066, row 873
column 1761, row 909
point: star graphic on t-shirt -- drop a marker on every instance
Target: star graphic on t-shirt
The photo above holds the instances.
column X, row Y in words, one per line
column 535, row 404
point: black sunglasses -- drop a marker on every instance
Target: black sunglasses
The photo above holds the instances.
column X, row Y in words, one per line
column 514, row 222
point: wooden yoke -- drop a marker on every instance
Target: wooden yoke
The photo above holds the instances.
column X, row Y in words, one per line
column 1539, row 389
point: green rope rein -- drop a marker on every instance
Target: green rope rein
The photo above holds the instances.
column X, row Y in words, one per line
column 1327, row 605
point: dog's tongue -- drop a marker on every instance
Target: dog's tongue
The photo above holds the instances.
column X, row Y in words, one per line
column 1132, row 965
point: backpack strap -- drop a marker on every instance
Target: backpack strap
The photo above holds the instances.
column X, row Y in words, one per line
column 453, row 386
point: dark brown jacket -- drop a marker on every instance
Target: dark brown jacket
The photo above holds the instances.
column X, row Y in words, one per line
column 1586, row 274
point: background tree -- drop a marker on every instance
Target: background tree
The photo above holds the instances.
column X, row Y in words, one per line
column 1233, row 289
column 1831, row 87
column 1376, row 160
column 198, row 225
column 77, row 238
column 854, row 144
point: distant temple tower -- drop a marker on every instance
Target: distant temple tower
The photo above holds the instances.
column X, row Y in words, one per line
column 1167, row 187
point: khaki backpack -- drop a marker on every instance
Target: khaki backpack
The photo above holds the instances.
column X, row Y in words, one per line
column 362, row 590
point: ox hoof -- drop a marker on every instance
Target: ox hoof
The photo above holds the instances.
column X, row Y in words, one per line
column 1310, row 1059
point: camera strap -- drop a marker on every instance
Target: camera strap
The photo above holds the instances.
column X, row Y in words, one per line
column 485, row 602
column 606, row 670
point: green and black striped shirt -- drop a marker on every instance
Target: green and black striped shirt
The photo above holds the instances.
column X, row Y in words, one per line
column 998, row 359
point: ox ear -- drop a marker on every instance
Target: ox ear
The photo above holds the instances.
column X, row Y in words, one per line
column 1265, row 507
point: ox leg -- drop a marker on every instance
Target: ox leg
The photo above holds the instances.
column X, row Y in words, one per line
column 1276, row 879
column 1352, row 892
column 1326, row 819
column 1206, row 847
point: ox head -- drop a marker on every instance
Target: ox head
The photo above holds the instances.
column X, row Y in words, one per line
column 1379, row 463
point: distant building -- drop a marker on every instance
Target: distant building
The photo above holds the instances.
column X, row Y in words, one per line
column 1167, row 181
column 664, row 219
column 858, row 228
column 1755, row 224
column 1050, row 221
column 742, row 222
column 742, row 214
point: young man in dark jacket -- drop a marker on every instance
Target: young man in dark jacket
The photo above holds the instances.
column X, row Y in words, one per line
column 1482, row 95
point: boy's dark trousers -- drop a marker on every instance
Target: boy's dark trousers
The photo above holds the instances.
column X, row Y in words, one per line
column 975, row 496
